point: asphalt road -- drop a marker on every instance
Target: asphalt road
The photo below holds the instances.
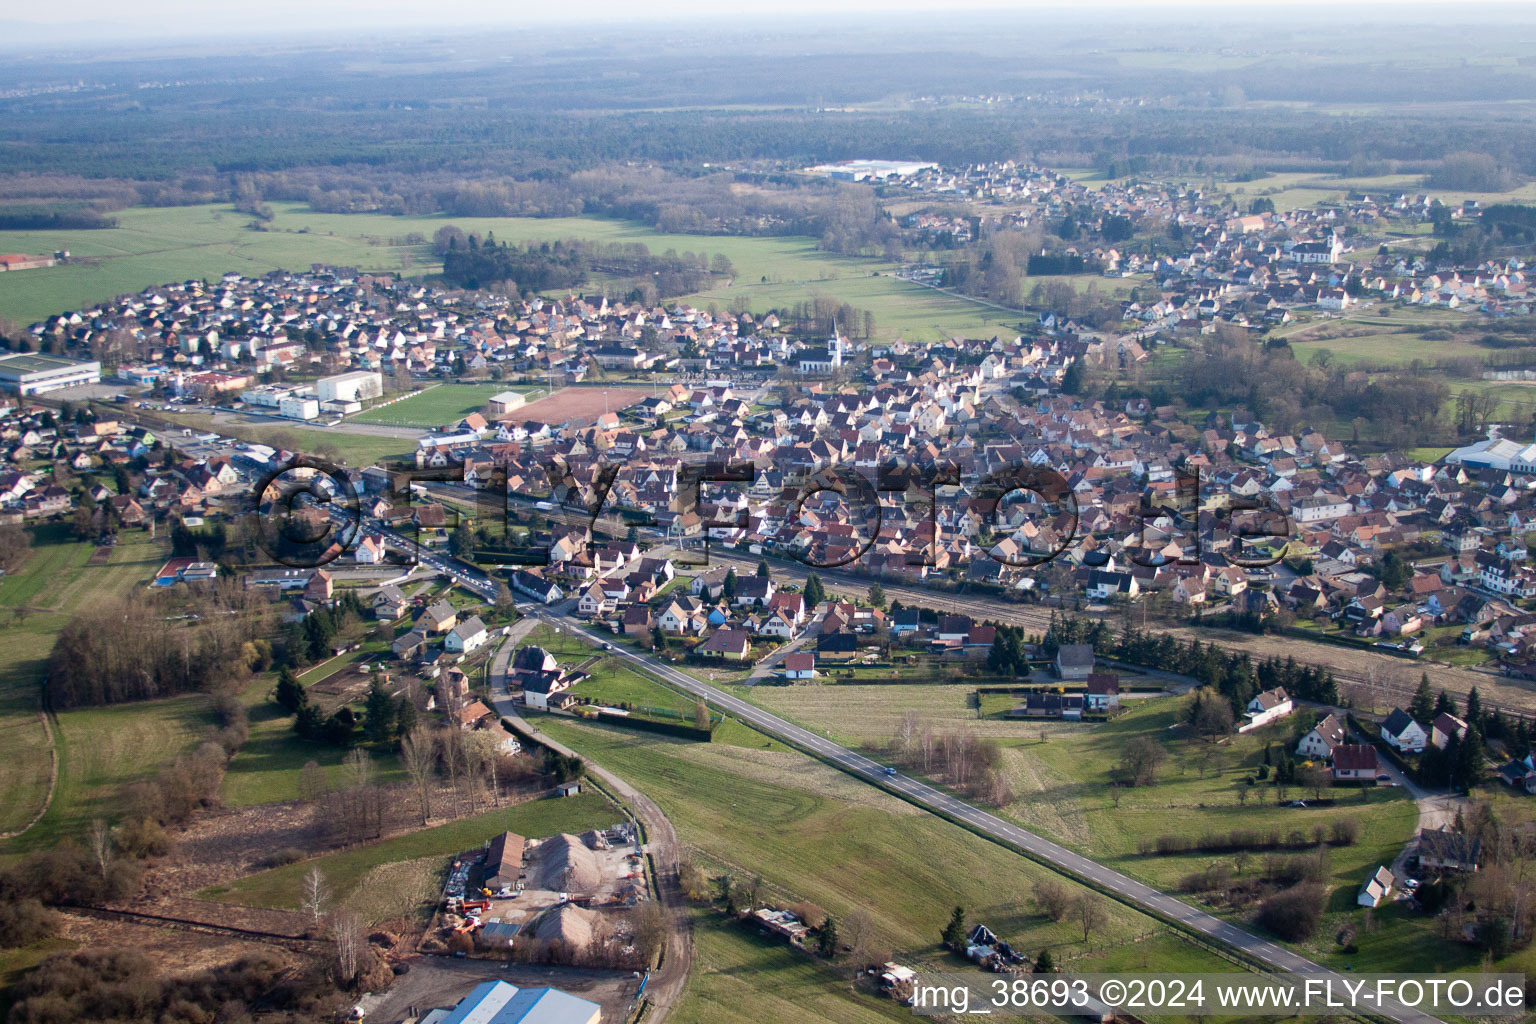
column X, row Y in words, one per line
column 925, row 795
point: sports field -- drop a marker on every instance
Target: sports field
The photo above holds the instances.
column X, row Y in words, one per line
column 442, row 405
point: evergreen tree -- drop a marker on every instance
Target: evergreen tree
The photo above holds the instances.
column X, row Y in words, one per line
column 290, row 695
column 729, row 589
column 763, row 571
column 405, row 717
column 1422, row 707
column 1474, row 709
column 815, row 594
column 877, row 595
column 1045, row 963
column 1072, row 381
column 380, row 712
column 1445, row 704
column 954, row 932
column 1467, row 768
column 826, row 944
column 307, row 722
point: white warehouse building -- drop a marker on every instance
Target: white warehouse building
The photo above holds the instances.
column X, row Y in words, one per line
column 356, row 386
column 34, row 374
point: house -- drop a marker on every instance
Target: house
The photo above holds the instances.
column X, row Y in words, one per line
column 754, row 590
column 1519, row 775
column 1103, row 691
column 636, row 620
column 370, row 550
column 594, row 601
column 531, row 583
column 1355, row 762
column 1445, row 850
column 1074, row 661
column 500, row 1002
column 1325, row 735
column 1266, row 707
column 1444, row 727
column 1403, row 733
column 466, row 636
column 729, row 644
column 799, row 665
column 1376, row 888
column 410, row 645
column 836, row 646
column 389, row 604
column 777, row 624
column 439, row 617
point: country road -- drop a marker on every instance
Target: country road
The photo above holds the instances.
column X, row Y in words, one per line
column 668, row 981
column 991, row 825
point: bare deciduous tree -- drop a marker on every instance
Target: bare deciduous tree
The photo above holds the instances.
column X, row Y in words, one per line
column 316, row 895
column 418, row 752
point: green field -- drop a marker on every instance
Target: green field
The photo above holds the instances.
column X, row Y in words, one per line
column 158, row 245
column 279, row 887
column 815, row 833
column 1062, row 783
column 266, row 770
column 96, row 753
column 443, row 405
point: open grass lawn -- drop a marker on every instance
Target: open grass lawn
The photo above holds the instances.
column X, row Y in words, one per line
column 740, row 977
column 1062, row 783
column 815, row 833
column 155, row 245
column 55, row 582
column 443, row 405
column 266, row 770
column 279, row 887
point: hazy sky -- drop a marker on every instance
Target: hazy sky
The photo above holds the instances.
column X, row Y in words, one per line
column 176, row 16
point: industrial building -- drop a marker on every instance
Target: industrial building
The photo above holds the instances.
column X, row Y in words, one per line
column 32, row 374
column 356, row 386
column 500, row 1002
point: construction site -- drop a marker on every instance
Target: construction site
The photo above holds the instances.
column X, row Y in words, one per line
column 561, row 899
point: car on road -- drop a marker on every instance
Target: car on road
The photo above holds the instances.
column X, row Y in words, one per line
column 890, row 771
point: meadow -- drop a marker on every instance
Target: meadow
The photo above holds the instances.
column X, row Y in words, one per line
column 98, row 749
column 1061, row 780
column 156, row 245
column 812, row 832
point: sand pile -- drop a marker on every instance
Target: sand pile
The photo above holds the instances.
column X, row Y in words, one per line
column 570, row 924
column 566, row 865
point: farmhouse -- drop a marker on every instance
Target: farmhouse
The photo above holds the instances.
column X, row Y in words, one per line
column 1103, row 691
